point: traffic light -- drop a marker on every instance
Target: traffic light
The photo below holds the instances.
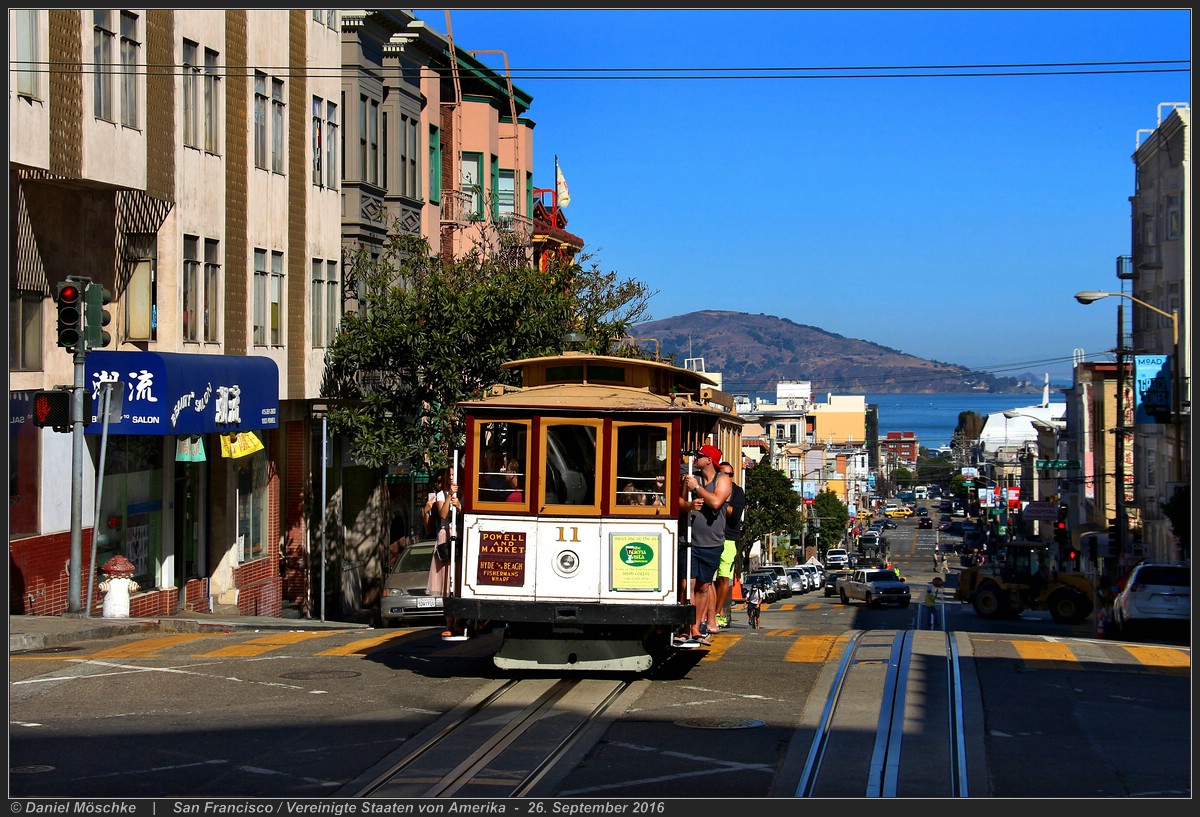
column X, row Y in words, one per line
column 52, row 409
column 70, row 314
column 1061, row 535
column 96, row 317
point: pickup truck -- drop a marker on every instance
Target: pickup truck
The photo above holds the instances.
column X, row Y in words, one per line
column 874, row 587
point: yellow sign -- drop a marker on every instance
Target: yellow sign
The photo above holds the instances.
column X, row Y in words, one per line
column 241, row 444
column 634, row 561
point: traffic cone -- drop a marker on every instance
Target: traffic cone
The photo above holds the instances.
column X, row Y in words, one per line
column 1101, row 622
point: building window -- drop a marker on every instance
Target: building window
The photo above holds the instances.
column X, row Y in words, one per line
column 318, row 294
column 191, row 94
column 191, row 286
column 25, row 331
column 333, row 301
column 316, row 143
column 102, row 58
column 277, row 120
column 506, row 195
column 26, row 56
column 130, row 48
column 260, row 119
column 276, row 299
column 435, row 165
column 472, row 183
column 368, row 139
column 331, row 146
column 1174, row 218
column 373, row 142
column 260, row 297
column 212, row 101
column 212, row 290
column 331, row 18
column 410, row 151
column 385, row 151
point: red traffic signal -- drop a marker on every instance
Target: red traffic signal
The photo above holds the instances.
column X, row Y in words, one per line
column 52, row 409
column 70, row 314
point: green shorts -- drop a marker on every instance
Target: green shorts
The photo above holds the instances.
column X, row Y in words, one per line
column 725, row 568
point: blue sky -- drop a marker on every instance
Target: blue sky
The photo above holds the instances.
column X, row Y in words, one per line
column 952, row 218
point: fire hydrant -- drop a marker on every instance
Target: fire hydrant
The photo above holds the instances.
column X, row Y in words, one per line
column 118, row 586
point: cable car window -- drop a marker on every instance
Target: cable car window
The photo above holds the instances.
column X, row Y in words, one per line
column 501, row 469
column 569, row 451
column 640, row 459
column 564, row 374
column 605, row 374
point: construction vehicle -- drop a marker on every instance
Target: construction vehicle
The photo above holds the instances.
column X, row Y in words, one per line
column 1026, row 580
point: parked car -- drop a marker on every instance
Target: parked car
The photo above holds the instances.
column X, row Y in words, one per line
column 797, row 580
column 831, row 579
column 404, row 597
column 816, row 576
column 925, row 522
column 1154, row 593
column 782, row 588
column 764, row 580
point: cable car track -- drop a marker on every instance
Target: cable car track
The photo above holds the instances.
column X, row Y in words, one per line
column 501, row 746
column 892, row 722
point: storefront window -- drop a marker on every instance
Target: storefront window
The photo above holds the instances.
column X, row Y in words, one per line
column 23, row 466
column 252, row 498
column 131, row 507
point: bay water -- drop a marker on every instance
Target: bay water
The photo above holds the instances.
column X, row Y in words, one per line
column 933, row 417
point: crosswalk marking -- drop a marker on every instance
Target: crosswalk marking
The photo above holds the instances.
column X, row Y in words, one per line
column 364, row 646
column 150, row 645
column 811, row 649
column 1048, row 654
column 720, row 645
column 258, row 646
column 1160, row 657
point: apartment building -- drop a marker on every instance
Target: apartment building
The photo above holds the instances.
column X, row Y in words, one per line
column 219, row 201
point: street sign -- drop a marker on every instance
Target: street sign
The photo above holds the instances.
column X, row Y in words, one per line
column 1057, row 465
column 1041, row 511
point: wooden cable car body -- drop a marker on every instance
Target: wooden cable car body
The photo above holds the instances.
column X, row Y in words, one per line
column 571, row 532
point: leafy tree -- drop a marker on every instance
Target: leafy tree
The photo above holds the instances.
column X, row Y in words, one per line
column 903, row 478
column 771, row 505
column 834, row 516
column 429, row 333
column 935, row 470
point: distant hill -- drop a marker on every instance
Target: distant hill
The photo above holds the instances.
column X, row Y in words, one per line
column 753, row 352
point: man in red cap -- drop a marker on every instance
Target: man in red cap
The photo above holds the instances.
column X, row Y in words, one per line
column 711, row 490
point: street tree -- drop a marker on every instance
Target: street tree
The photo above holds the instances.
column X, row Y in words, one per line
column 772, row 506
column 429, row 332
column 834, row 516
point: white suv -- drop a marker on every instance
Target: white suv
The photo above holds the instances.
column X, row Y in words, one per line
column 1154, row 593
column 837, row 558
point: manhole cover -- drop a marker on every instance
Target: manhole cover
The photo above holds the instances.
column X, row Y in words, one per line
column 49, row 650
column 320, row 675
column 30, row 769
column 721, row 723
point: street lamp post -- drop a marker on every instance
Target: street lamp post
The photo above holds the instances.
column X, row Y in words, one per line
column 1091, row 296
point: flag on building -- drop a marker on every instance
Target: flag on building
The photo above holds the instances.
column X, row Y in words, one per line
column 560, row 184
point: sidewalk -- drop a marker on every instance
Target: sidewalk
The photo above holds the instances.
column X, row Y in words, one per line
column 27, row 633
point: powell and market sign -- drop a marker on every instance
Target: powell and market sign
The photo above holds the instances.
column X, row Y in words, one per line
column 173, row 393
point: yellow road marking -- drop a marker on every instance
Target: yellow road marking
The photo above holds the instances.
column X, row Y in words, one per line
column 811, row 649
column 1160, row 657
column 1058, row 656
column 149, row 645
column 787, row 607
column 720, row 645
column 258, row 646
column 785, row 631
column 364, row 646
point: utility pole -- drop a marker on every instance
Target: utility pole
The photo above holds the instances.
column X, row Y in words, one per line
column 1118, row 548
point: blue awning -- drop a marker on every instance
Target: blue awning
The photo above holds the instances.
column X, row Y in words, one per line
column 174, row 393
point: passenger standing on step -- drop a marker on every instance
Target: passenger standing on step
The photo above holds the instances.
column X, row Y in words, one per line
column 707, row 533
